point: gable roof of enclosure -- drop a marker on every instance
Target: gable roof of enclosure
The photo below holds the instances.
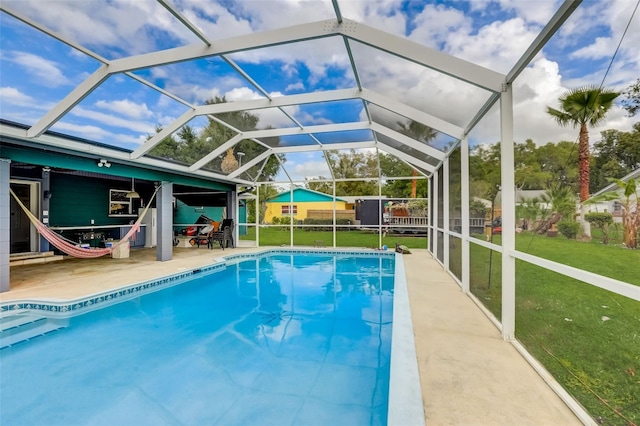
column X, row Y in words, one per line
column 371, row 115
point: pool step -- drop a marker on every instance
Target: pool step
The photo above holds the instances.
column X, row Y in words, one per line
column 20, row 328
column 30, row 258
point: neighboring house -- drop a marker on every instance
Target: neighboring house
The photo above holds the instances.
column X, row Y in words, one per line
column 304, row 201
column 613, row 207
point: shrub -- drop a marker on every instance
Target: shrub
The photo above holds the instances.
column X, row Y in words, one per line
column 569, row 229
column 602, row 222
column 285, row 220
column 275, row 220
column 325, row 222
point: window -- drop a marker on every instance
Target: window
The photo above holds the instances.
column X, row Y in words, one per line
column 289, row 210
column 120, row 204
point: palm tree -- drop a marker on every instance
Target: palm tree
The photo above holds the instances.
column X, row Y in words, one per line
column 579, row 108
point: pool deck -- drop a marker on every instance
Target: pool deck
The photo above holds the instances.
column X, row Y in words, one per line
column 468, row 373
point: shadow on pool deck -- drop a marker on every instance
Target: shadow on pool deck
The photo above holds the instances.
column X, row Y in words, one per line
column 468, row 374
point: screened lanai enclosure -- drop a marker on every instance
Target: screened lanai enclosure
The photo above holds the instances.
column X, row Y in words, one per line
column 327, row 124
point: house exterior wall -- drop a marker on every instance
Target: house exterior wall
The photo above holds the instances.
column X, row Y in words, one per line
column 274, row 209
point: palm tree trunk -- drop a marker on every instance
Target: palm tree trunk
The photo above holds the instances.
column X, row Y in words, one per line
column 414, row 184
column 583, row 162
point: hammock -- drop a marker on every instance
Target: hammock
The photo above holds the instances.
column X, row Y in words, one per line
column 71, row 248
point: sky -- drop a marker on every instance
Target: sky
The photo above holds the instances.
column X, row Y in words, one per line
column 37, row 71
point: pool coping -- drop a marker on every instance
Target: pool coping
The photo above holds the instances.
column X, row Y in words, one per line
column 405, row 395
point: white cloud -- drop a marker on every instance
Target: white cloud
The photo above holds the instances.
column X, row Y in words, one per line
column 12, row 96
column 436, row 22
column 112, row 121
column 241, row 94
column 126, row 108
column 539, row 13
column 46, row 72
column 98, row 133
column 496, row 46
column 297, row 86
column 308, row 169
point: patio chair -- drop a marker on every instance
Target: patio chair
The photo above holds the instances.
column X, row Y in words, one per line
column 204, row 234
column 224, row 236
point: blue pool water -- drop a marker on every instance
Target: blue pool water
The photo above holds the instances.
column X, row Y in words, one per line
column 277, row 340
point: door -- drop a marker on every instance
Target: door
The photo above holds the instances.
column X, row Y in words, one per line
column 22, row 235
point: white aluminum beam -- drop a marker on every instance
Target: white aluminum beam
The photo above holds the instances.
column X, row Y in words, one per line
column 352, row 61
column 308, row 31
column 422, row 55
column 464, row 188
column 80, row 92
column 508, row 192
column 407, row 158
column 165, row 132
column 446, row 199
column 184, row 21
column 325, row 147
column 336, row 9
column 249, row 164
column 57, row 36
column 412, row 113
column 216, row 152
column 406, row 140
column 323, row 128
column 552, row 26
column 280, row 101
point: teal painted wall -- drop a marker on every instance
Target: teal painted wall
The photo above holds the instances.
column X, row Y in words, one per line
column 242, row 230
column 76, row 200
column 188, row 214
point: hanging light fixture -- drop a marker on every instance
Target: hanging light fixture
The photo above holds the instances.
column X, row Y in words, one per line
column 133, row 193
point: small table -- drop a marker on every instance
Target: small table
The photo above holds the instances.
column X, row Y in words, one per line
column 121, row 251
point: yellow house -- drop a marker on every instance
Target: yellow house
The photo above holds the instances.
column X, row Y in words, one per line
column 304, row 200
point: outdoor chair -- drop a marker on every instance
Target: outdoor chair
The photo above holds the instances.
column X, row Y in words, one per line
column 224, row 236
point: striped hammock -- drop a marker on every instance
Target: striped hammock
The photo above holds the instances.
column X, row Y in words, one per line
column 71, row 247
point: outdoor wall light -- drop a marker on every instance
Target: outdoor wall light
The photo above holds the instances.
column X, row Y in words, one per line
column 104, row 163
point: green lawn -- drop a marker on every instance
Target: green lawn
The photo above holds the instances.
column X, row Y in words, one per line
column 588, row 338
column 301, row 237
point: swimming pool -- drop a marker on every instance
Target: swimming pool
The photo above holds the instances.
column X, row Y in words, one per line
column 281, row 338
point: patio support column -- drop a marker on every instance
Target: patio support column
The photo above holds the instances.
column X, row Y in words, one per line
column 430, row 215
column 232, row 212
column 334, row 214
column 508, row 213
column 464, row 188
column 380, row 210
column 445, row 212
column 291, row 216
column 5, row 245
column 45, row 194
column 257, row 211
column 436, row 184
column 164, row 202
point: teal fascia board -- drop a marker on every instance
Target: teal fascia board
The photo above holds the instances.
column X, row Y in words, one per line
column 66, row 161
column 302, row 195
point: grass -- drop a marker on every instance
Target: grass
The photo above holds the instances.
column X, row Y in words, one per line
column 278, row 236
column 587, row 337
